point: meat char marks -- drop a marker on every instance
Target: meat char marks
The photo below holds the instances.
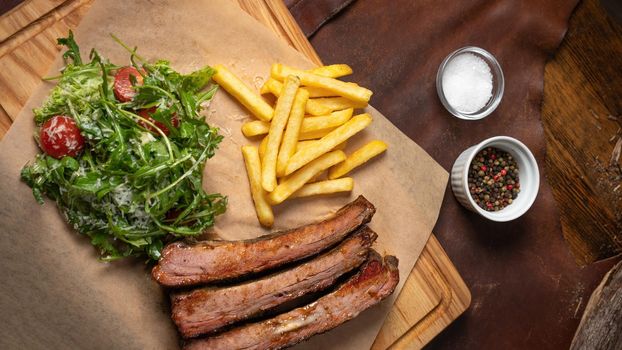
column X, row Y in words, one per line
column 376, row 279
column 182, row 264
column 204, row 310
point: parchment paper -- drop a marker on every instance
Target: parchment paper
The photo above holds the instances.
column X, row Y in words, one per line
column 55, row 294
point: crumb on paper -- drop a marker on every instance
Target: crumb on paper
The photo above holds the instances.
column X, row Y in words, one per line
column 238, row 117
column 226, row 133
column 258, row 81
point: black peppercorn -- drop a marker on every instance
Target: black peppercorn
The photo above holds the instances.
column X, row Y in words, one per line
column 493, row 179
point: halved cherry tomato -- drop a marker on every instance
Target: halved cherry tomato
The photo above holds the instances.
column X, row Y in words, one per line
column 123, row 89
column 146, row 113
column 59, row 136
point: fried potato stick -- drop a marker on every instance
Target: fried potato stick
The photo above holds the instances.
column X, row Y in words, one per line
column 255, row 127
column 314, row 135
column 328, row 142
column 309, row 124
column 338, row 103
column 332, row 71
column 307, row 143
column 313, row 91
column 345, row 184
column 333, row 120
column 253, row 170
column 241, row 92
column 281, row 114
column 298, row 179
column 348, row 90
column 274, row 87
column 357, row 158
column 290, row 137
column 262, row 147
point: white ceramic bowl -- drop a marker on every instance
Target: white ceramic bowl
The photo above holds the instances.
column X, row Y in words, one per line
column 529, row 178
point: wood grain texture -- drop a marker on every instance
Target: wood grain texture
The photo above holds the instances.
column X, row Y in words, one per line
column 27, row 52
column 24, row 14
column 582, row 88
column 33, row 18
column 601, row 324
column 434, row 294
column 274, row 15
column 433, row 281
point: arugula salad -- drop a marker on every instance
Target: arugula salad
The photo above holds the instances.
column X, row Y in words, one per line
column 124, row 148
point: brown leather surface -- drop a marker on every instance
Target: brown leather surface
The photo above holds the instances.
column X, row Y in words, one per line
column 312, row 14
column 527, row 290
column 7, row 5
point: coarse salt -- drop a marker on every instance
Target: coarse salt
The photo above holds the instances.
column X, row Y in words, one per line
column 467, row 83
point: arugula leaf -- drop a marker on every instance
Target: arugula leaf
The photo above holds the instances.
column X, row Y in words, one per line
column 131, row 190
column 73, row 51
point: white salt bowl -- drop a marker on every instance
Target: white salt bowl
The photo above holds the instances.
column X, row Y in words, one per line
column 498, row 83
column 529, row 178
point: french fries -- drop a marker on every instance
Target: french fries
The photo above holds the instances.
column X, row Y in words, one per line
column 274, row 87
column 313, row 135
column 338, row 103
column 281, row 114
column 253, row 170
column 357, row 158
column 355, row 93
column 255, row 127
column 306, row 143
column 332, row 120
column 290, row 138
column 302, row 176
column 249, row 99
column 262, row 147
column 302, row 153
column 332, row 71
column 318, row 92
column 309, row 124
column 345, row 184
column 271, row 85
column 328, row 142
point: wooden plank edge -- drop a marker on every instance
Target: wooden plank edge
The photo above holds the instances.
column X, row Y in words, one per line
column 5, row 122
column 454, row 301
column 39, row 25
column 292, row 30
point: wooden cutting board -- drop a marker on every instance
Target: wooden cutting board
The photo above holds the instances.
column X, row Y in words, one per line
column 434, row 294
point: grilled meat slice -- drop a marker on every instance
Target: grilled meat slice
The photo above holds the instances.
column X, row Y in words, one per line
column 375, row 281
column 204, row 310
column 185, row 265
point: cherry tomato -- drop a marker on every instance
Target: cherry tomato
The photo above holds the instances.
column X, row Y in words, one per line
column 123, row 89
column 59, row 136
column 146, row 113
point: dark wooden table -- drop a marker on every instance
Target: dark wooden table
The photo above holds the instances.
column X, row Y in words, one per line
column 529, row 289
